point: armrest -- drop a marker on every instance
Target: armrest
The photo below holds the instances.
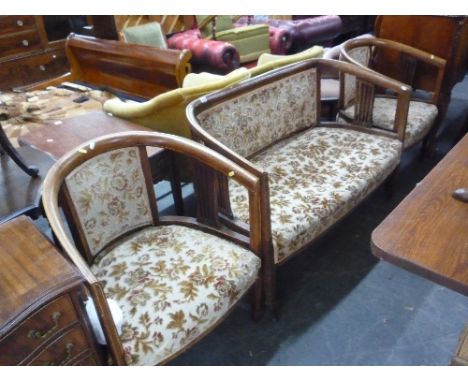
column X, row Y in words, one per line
column 219, row 55
column 280, row 40
column 417, row 54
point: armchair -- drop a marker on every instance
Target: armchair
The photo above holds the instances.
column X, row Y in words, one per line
column 423, row 115
column 174, row 278
column 312, row 173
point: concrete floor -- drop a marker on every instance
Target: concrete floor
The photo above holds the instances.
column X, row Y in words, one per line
column 339, row 304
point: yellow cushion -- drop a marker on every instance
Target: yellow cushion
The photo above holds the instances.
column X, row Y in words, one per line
column 268, row 61
column 166, row 112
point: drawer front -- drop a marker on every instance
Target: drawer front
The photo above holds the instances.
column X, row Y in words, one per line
column 19, row 43
column 87, row 360
column 36, row 330
column 64, row 350
column 10, row 76
column 44, row 66
column 13, row 24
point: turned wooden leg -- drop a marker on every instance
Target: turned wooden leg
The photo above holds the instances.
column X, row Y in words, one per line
column 7, row 148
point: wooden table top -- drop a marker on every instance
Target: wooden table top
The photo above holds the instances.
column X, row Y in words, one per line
column 57, row 140
column 30, row 269
column 428, row 231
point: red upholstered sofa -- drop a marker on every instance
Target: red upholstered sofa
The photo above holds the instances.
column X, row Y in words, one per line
column 219, row 56
column 317, row 30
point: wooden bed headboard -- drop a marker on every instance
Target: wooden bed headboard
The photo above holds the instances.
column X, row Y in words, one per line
column 136, row 70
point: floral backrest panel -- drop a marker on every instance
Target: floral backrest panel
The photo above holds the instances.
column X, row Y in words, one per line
column 362, row 56
column 257, row 118
column 110, row 196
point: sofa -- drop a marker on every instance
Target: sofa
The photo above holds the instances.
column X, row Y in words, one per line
column 319, row 30
column 313, row 173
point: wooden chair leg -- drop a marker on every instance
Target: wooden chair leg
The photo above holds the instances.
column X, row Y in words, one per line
column 256, row 299
column 176, row 188
column 389, row 184
column 7, row 148
column 269, row 282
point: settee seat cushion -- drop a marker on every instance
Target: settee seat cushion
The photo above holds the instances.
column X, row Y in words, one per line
column 315, row 178
column 421, row 117
column 172, row 283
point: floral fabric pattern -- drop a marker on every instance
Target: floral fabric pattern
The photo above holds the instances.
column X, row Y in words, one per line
column 109, row 195
column 258, row 118
column 421, row 117
column 315, row 178
column 172, row 284
column 362, row 56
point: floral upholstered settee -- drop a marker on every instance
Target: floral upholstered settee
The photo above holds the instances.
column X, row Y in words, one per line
column 313, row 172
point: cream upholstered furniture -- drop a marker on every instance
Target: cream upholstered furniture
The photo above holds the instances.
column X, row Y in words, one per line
column 312, row 173
column 423, row 109
column 174, row 278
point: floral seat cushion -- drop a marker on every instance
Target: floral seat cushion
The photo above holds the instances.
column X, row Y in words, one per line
column 315, row 178
column 421, row 117
column 172, row 283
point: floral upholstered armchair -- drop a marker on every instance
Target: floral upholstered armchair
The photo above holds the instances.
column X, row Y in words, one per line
column 173, row 278
column 312, row 173
column 424, row 115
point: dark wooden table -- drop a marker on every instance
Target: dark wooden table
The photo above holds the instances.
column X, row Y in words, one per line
column 428, row 231
column 59, row 139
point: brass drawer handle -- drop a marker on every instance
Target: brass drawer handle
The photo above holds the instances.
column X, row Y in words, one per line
column 36, row 334
column 25, row 42
column 66, row 357
column 19, row 23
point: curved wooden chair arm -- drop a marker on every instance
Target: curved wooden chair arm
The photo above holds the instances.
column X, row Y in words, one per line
column 413, row 52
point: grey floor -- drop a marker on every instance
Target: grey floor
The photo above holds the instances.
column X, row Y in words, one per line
column 339, row 304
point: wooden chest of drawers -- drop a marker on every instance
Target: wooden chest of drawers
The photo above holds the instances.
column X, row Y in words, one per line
column 42, row 317
column 26, row 54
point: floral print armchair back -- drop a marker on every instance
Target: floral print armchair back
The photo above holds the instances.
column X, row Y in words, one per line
column 109, row 196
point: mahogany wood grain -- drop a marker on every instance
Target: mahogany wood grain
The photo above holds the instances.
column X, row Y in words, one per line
column 57, row 140
column 428, row 232
column 136, row 70
column 31, row 269
column 443, row 36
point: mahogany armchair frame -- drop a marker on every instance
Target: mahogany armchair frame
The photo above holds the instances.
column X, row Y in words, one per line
column 409, row 57
column 210, row 165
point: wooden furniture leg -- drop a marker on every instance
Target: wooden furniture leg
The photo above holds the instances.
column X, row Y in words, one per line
column 7, row 148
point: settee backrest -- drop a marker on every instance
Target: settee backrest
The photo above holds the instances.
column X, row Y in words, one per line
column 272, row 107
